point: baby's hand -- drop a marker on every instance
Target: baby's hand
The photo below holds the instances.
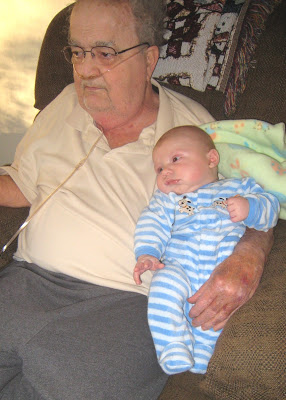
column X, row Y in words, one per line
column 238, row 208
column 145, row 263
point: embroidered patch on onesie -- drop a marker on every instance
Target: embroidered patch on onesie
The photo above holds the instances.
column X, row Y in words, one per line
column 220, row 202
column 186, row 207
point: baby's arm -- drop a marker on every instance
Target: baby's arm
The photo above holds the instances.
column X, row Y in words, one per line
column 238, row 208
column 145, row 263
column 258, row 209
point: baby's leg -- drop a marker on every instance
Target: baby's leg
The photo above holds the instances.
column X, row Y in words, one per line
column 203, row 348
column 168, row 321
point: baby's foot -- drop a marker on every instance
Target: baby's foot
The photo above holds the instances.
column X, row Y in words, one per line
column 175, row 358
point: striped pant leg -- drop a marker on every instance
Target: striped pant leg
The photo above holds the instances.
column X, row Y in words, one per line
column 204, row 344
column 167, row 317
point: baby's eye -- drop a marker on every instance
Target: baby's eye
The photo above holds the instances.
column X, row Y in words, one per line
column 175, row 159
column 159, row 170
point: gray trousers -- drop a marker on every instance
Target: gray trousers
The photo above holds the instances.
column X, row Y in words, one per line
column 64, row 339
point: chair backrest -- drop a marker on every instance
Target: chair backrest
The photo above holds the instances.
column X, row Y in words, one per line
column 53, row 72
column 264, row 97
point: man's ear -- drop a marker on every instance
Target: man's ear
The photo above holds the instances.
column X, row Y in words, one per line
column 152, row 55
column 213, row 157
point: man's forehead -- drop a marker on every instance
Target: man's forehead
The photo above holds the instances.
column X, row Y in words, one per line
column 105, row 2
column 102, row 19
column 124, row 5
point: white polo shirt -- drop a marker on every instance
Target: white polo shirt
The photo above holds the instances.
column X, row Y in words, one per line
column 86, row 229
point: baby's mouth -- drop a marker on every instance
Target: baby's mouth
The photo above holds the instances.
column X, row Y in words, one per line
column 171, row 182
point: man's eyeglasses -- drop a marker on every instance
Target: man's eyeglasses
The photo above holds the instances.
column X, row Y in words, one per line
column 104, row 55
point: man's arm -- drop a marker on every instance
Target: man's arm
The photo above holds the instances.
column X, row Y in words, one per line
column 233, row 282
column 10, row 194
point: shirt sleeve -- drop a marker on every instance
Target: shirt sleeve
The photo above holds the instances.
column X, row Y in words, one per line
column 24, row 170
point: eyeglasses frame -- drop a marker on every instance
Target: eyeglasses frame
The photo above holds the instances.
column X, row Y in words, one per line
column 116, row 53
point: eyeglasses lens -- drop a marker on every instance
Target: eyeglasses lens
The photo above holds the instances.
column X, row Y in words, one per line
column 103, row 55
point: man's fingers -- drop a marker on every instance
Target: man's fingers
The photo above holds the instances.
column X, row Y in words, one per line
column 213, row 308
column 201, row 300
column 215, row 316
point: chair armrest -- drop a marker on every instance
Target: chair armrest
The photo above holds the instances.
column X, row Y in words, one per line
column 250, row 352
column 10, row 221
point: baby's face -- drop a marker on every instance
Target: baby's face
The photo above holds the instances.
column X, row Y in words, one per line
column 182, row 165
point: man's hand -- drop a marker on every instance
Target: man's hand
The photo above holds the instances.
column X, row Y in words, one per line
column 145, row 263
column 233, row 282
column 238, row 208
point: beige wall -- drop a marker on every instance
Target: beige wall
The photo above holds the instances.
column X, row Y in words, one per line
column 23, row 25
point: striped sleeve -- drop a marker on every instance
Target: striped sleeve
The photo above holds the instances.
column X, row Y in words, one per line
column 263, row 207
column 154, row 226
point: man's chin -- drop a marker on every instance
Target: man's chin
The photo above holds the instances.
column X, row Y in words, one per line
column 92, row 105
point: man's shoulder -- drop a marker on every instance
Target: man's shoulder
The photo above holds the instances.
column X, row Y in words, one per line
column 67, row 96
column 64, row 102
column 185, row 109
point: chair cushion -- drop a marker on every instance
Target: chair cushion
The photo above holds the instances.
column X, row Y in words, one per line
column 250, row 354
column 249, row 360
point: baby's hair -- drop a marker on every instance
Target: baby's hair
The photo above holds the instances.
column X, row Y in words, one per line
column 193, row 131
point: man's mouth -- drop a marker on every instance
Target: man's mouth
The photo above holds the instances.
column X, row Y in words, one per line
column 91, row 85
column 93, row 88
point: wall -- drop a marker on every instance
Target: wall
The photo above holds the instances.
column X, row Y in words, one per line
column 23, row 25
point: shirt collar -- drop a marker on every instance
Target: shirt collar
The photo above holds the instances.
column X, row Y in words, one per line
column 165, row 118
column 80, row 120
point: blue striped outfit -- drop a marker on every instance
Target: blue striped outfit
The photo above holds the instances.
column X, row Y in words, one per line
column 192, row 234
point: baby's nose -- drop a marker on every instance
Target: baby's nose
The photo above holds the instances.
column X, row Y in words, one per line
column 167, row 171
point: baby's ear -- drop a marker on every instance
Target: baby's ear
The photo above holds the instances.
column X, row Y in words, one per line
column 213, row 157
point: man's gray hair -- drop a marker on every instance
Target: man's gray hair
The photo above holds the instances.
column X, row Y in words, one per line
column 149, row 16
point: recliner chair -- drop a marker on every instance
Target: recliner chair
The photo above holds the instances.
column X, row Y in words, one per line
column 249, row 362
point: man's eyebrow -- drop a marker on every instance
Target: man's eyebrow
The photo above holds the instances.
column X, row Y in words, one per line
column 73, row 42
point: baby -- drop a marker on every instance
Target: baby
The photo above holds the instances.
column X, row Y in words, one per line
column 193, row 222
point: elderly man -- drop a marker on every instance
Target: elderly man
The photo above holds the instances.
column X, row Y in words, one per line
column 73, row 323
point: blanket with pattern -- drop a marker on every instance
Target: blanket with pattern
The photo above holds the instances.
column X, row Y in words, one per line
column 201, row 37
column 252, row 148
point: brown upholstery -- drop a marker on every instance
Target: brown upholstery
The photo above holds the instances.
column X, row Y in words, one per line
column 249, row 362
column 53, row 72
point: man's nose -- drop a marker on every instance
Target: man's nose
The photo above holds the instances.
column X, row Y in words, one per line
column 88, row 69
